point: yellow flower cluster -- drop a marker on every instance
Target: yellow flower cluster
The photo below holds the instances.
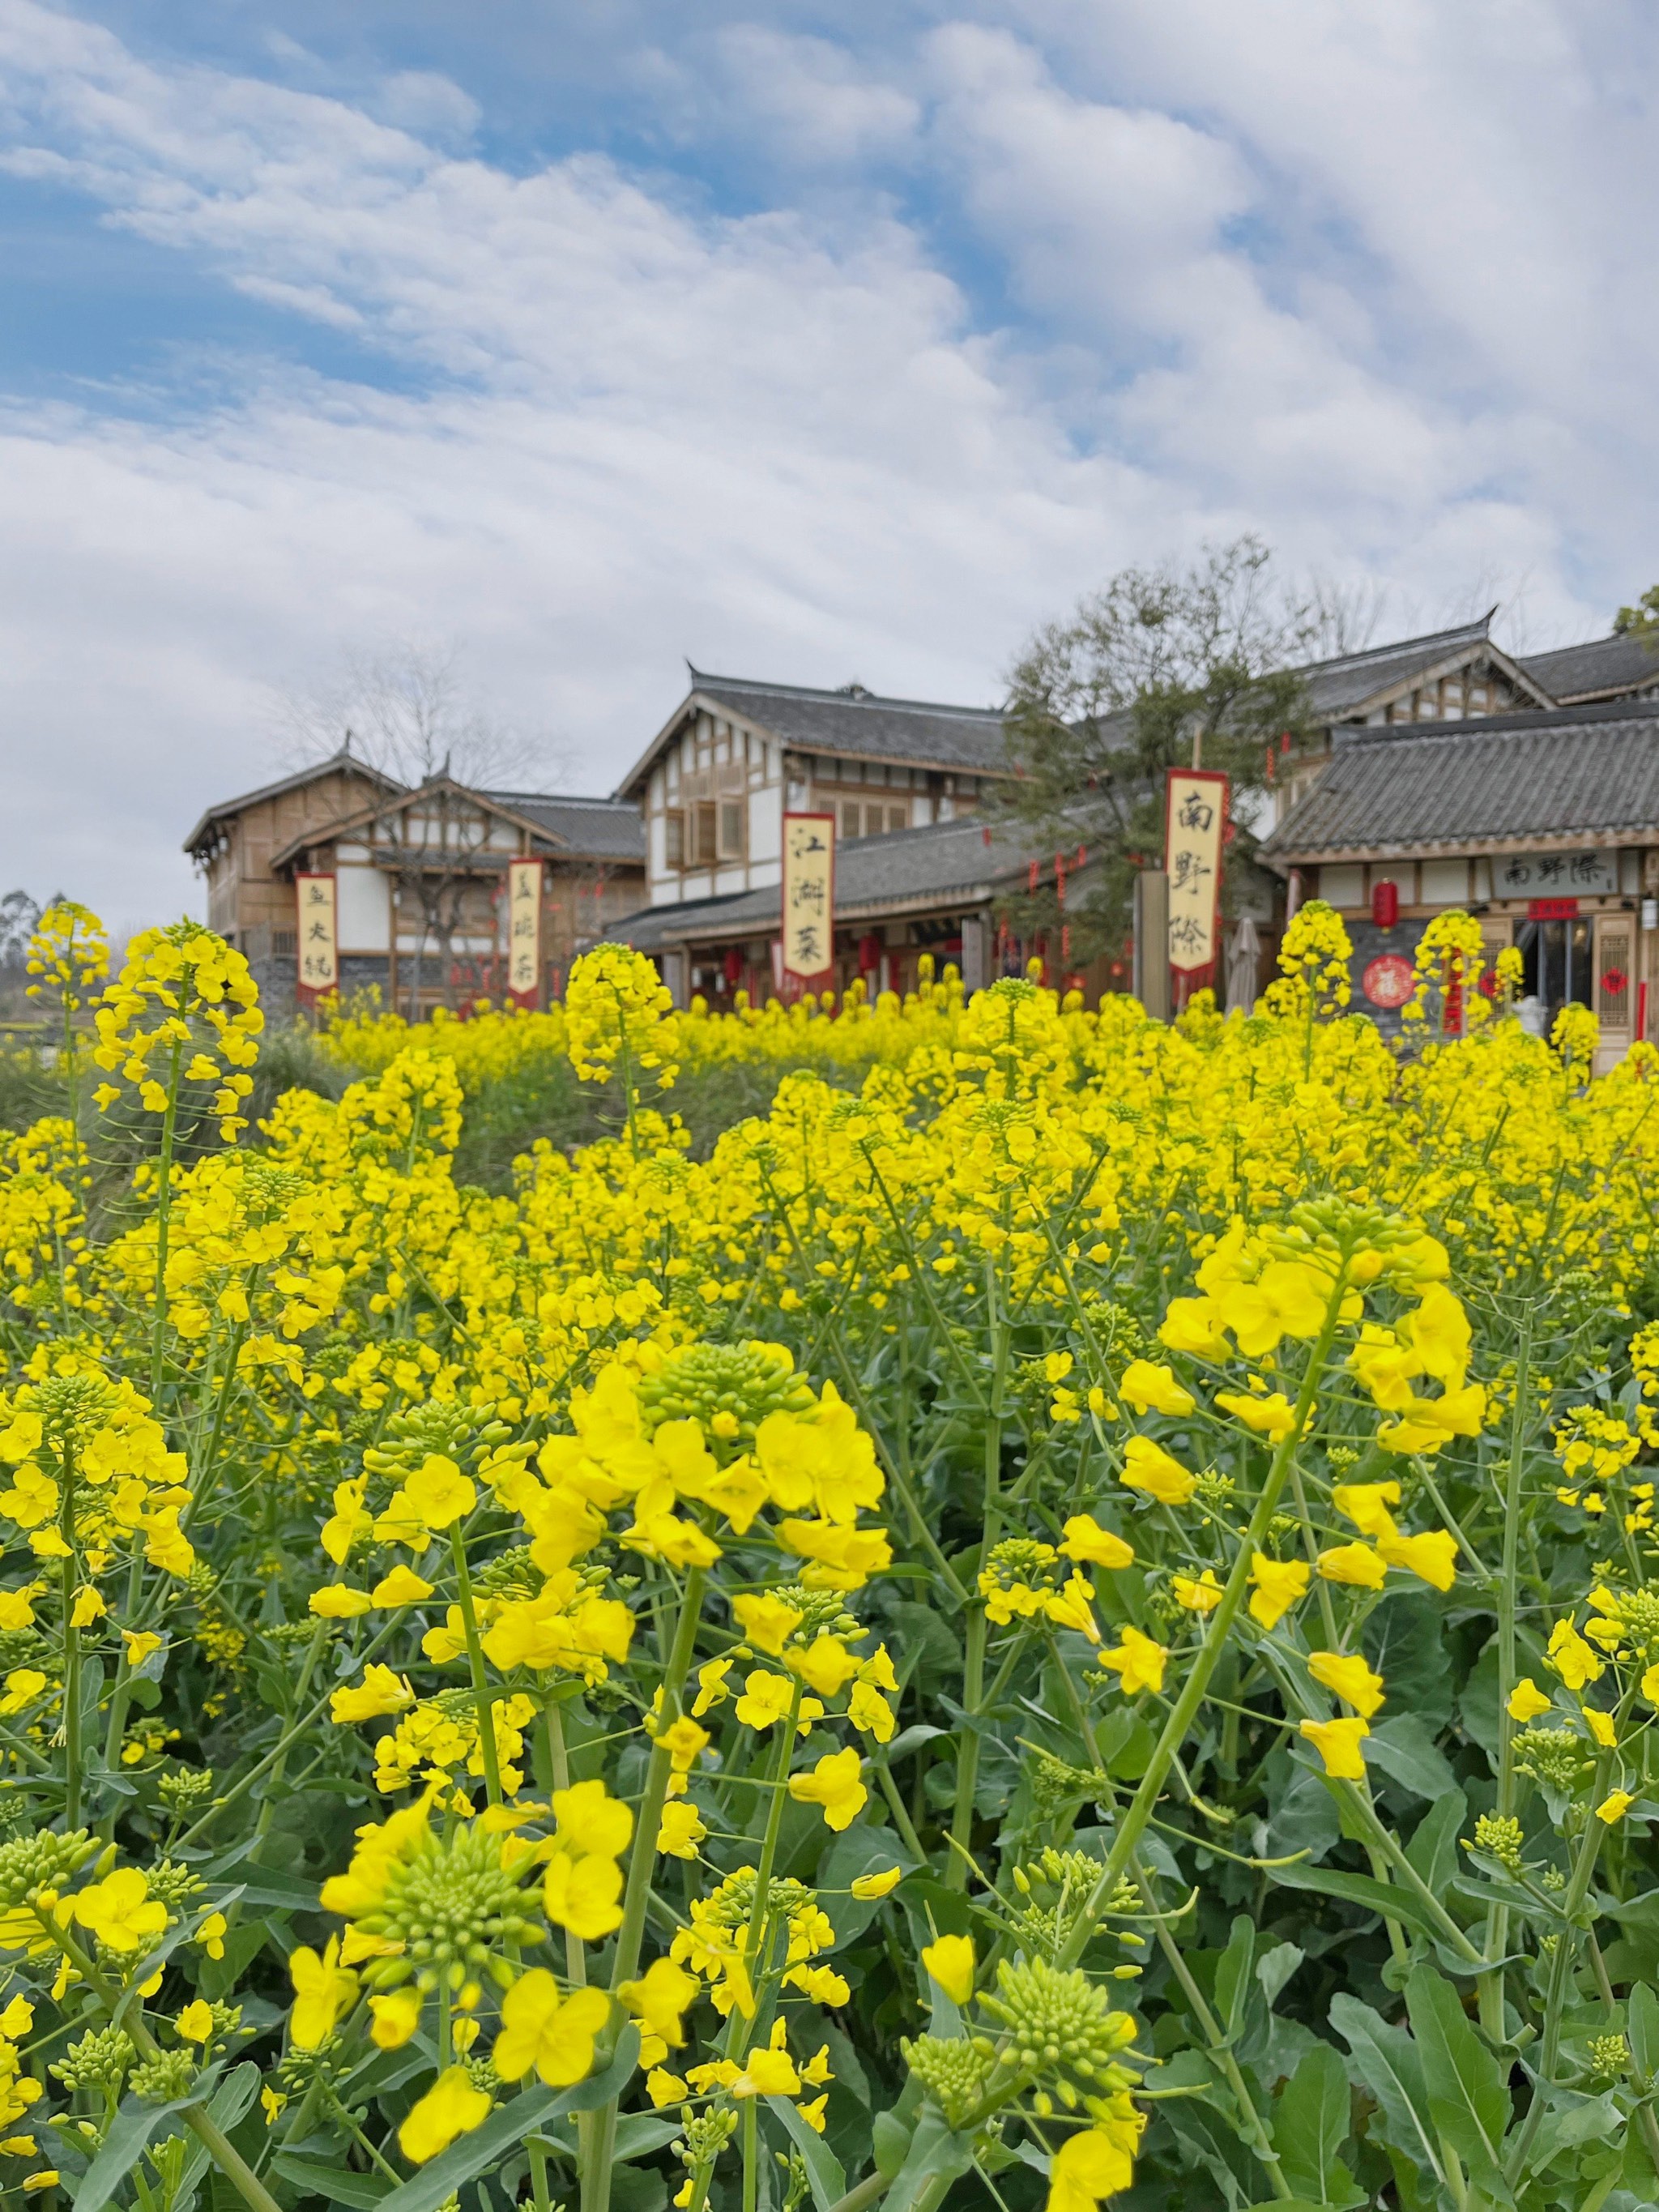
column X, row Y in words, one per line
column 725, row 1576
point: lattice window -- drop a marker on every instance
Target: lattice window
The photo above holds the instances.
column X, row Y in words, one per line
column 1613, row 978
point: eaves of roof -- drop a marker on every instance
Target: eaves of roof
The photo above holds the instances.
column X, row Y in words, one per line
column 228, row 807
column 1571, row 779
column 844, row 725
column 366, row 815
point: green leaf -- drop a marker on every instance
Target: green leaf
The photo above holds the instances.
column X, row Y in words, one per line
column 124, row 2146
column 233, row 2098
column 1233, row 1977
column 889, row 2143
column 361, row 2190
column 936, row 2151
column 911, row 1739
column 1644, row 2027
column 1405, row 1749
column 1276, row 1966
column 1405, row 1641
column 823, row 2168
column 1310, row 2124
column 1387, row 2065
column 1433, row 1850
column 1469, row 2096
column 506, row 2128
column 1359, row 1889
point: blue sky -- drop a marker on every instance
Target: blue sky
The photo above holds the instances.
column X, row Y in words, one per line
column 811, row 343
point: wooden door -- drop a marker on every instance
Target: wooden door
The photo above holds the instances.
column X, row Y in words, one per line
column 1615, row 985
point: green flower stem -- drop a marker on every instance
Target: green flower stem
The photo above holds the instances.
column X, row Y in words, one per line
column 868, row 2192
column 1182, row 1713
column 163, row 1218
column 207, row 2131
column 268, row 1810
column 596, row 2166
column 1549, row 2048
column 977, row 1629
column 239, row 1790
column 751, row 2162
column 71, row 1647
column 1364, row 1813
column 558, row 1768
column 779, row 1777
column 475, row 1661
column 1209, row 2028
column 896, row 1806
column 1493, row 2017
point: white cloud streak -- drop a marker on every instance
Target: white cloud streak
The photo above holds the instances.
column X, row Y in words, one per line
column 620, row 429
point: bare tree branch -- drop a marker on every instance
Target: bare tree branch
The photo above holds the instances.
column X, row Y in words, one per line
column 410, row 713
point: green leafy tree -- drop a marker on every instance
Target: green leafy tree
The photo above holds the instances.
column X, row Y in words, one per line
column 1164, row 668
column 1642, row 620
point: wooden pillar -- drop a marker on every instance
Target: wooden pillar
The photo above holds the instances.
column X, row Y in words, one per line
column 1151, row 979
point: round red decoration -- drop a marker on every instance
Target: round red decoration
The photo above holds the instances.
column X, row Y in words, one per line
column 1614, row 982
column 1388, row 979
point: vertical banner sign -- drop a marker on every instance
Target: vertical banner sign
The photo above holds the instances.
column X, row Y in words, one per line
column 317, row 939
column 1195, row 826
column 809, row 897
column 523, row 933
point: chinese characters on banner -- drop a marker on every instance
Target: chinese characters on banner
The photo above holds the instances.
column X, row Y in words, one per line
column 809, row 897
column 524, row 932
column 318, row 939
column 1534, row 875
column 1195, row 827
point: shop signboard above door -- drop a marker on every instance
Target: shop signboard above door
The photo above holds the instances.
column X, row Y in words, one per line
column 1556, row 875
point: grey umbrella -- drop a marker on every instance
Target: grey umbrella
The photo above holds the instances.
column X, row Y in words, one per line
column 1243, row 955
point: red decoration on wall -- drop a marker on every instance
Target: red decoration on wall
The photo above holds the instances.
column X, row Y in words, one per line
column 1388, row 980
column 1385, row 903
column 1556, row 909
column 1614, row 982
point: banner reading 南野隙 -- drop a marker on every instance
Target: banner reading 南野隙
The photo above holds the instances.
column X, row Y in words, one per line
column 1195, row 827
column 524, row 932
column 318, row 940
column 809, row 896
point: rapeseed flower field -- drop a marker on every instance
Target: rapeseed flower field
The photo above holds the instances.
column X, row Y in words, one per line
column 1064, row 1619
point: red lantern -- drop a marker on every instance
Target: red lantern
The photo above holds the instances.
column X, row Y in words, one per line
column 1385, row 903
column 869, row 953
column 733, row 967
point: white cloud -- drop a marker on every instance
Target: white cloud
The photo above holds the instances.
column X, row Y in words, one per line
column 1267, row 268
column 808, row 100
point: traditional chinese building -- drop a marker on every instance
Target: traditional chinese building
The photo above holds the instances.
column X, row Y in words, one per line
column 418, row 880
column 937, row 891
column 735, row 755
column 1544, row 823
column 1447, row 676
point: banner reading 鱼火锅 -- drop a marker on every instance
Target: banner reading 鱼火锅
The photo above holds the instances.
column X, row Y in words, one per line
column 318, row 941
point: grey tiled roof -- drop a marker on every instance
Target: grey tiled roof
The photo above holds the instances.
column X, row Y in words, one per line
column 1341, row 686
column 918, row 732
column 1589, row 775
column 1604, row 667
column 942, row 862
column 596, row 829
column 344, row 759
